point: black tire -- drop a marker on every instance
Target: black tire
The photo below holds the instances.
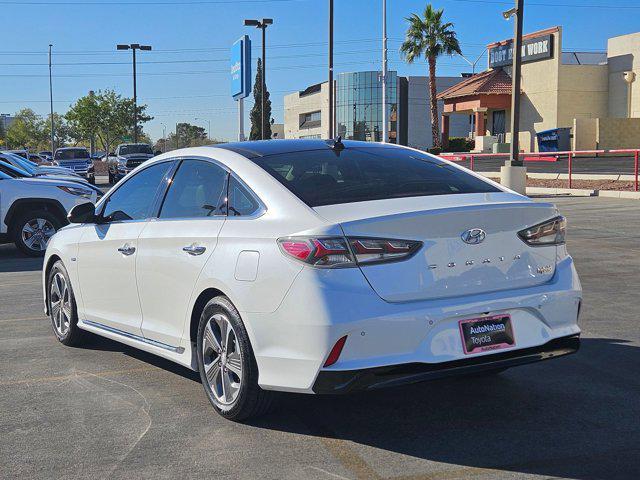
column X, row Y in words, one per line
column 251, row 400
column 92, row 180
column 111, row 180
column 27, row 217
column 73, row 336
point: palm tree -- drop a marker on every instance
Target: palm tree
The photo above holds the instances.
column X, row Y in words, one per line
column 428, row 36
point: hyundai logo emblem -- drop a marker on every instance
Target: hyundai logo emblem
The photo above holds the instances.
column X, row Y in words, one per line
column 473, row 236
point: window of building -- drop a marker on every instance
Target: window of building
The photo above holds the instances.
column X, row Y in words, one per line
column 310, row 120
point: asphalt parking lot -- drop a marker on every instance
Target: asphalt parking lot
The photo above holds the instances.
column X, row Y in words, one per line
column 108, row 411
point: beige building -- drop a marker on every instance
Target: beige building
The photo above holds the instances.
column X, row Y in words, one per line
column 306, row 113
column 581, row 91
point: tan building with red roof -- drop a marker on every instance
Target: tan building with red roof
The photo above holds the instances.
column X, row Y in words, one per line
column 577, row 90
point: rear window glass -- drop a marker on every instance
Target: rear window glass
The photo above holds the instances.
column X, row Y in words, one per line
column 327, row 177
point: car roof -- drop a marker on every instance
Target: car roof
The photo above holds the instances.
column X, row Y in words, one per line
column 71, row 148
column 262, row 148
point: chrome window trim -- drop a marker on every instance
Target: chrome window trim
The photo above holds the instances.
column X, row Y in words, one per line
column 132, row 336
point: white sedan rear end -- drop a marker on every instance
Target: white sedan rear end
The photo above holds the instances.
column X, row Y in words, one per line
column 316, row 267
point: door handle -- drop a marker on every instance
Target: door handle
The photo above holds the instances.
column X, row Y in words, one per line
column 127, row 249
column 194, row 249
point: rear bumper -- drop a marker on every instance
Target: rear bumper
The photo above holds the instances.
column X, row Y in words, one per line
column 347, row 381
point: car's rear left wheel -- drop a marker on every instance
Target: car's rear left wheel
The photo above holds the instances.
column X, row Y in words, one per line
column 227, row 365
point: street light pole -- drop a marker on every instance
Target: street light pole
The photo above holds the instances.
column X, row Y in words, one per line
column 513, row 174
column 133, row 47
column 515, row 86
column 164, row 137
column 331, row 101
column 51, row 102
column 385, row 128
column 262, row 25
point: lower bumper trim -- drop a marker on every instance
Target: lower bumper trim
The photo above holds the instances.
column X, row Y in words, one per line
column 346, row 381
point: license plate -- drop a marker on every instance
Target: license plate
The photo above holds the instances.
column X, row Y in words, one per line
column 486, row 333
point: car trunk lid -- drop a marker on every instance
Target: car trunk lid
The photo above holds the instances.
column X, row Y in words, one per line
column 447, row 266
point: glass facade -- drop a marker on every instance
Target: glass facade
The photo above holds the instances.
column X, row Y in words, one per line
column 359, row 106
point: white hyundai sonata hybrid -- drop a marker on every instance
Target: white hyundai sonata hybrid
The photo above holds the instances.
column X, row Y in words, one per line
column 317, row 267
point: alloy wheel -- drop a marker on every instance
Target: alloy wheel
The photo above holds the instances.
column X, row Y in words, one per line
column 36, row 234
column 222, row 359
column 60, row 296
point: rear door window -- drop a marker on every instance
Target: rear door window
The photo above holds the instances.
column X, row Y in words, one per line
column 328, row 177
column 198, row 189
column 241, row 202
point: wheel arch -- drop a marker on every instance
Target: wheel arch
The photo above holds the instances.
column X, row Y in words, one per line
column 197, row 309
column 24, row 205
column 47, row 268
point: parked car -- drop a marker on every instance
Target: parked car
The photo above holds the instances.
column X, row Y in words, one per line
column 32, row 208
column 23, row 153
column 35, row 169
column 76, row 159
column 126, row 157
column 46, row 155
column 315, row 267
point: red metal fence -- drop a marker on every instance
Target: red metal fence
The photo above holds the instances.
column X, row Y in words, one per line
column 540, row 156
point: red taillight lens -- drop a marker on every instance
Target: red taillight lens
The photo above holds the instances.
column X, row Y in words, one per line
column 334, row 252
column 330, row 252
column 335, row 352
column 378, row 250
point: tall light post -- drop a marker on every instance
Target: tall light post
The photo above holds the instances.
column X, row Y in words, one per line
column 331, row 100
column 262, row 25
column 208, row 124
column 385, row 128
column 133, row 47
column 164, row 137
column 51, row 102
column 513, row 174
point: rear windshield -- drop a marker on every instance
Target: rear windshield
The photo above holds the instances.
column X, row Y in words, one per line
column 72, row 154
column 325, row 177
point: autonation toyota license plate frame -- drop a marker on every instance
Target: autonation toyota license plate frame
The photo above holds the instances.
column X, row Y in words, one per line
column 486, row 333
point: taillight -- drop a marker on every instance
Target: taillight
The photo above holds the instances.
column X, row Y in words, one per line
column 338, row 252
column 551, row 232
column 376, row 250
column 330, row 252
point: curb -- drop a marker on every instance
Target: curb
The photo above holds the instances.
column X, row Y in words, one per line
column 619, row 194
column 577, row 192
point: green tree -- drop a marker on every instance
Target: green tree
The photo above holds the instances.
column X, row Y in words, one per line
column 3, row 134
column 62, row 132
column 105, row 116
column 256, row 111
column 430, row 37
column 26, row 131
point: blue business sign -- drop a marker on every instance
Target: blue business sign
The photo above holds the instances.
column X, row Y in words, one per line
column 241, row 68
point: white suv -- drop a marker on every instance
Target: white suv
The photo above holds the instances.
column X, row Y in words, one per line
column 32, row 209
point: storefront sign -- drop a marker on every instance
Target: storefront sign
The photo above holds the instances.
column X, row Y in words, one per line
column 241, row 68
column 536, row 48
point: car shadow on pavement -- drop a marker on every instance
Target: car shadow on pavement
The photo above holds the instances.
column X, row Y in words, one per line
column 577, row 417
column 96, row 342
column 12, row 260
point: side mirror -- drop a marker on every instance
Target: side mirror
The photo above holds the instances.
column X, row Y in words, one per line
column 157, row 152
column 112, row 154
column 83, row 213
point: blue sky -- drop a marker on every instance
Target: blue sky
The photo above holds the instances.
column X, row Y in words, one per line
column 189, row 78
